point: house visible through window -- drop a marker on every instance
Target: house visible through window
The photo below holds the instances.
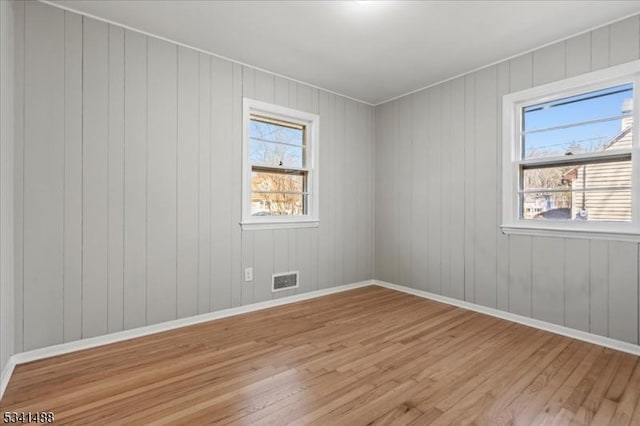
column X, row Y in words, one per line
column 571, row 157
column 280, row 165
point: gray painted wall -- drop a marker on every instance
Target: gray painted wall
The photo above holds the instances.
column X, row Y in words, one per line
column 6, row 183
column 438, row 199
column 127, row 189
column 128, row 183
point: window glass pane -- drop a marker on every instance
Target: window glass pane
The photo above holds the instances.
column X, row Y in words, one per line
column 271, row 131
column 547, row 178
column 589, row 191
column 611, row 108
column 556, row 205
column 612, row 206
column 278, row 204
column 278, row 193
column 588, row 138
column 584, row 107
column 276, row 143
column 264, row 181
column 275, row 154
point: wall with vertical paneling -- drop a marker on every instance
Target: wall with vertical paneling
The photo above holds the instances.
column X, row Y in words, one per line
column 7, row 36
column 128, row 183
column 438, row 199
column 127, row 188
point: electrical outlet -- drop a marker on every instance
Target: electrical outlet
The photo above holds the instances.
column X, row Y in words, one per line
column 248, row 274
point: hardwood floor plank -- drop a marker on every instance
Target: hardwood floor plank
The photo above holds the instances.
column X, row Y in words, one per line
column 629, row 399
column 605, row 413
column 365, row 356
column 621, row 379
column 510, row 404
column 511, row 377
column 472, row 378
column 403, row 414
column 596, row 396
column 530, row 402
column 300, row 404
column 555, row 405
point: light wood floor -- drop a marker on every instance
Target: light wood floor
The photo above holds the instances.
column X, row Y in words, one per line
column 370, row 355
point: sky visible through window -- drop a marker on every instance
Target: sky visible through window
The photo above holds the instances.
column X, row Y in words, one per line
column 598, row 105
column 274, row 144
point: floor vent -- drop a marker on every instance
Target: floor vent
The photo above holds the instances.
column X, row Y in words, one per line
column 284, row 281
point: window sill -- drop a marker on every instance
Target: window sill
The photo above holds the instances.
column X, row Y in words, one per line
column 254, row 226
column 591, row 234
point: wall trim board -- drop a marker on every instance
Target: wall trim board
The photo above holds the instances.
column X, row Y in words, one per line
column 93, row 342
column 531, row 322
column 197, row 49
column 6, row 375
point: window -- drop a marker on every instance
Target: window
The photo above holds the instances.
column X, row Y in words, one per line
column 570, row 160
column 280, row 179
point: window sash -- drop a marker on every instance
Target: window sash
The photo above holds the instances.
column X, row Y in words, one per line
column 602, row 157
column 555, row 191
column 286, row 124
column 276, row 121
column 276, row 168
column 577, row 159
column 304, row 194
column 281, row 192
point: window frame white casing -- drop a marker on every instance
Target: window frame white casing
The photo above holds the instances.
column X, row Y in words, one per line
column 512, row 105
column 312, row 137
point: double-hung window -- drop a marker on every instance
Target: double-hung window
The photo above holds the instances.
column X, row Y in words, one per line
column 570, row 159
column 280, row 166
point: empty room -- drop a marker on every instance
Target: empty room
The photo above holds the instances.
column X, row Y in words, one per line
column 319, row 212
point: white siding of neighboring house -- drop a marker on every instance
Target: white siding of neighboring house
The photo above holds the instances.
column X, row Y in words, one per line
column 606, row 205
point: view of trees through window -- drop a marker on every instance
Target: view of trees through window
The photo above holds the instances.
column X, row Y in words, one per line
column 277, row 152
column 566, row 188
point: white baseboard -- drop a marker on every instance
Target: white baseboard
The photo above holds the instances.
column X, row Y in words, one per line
column 6, row 375
column 78, row 345
column 531, row 322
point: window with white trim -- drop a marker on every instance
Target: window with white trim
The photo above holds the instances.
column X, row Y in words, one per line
column 280, row 166
column 570, row 160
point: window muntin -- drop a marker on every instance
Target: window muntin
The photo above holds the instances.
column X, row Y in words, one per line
column 280, row 177
column 571, row 157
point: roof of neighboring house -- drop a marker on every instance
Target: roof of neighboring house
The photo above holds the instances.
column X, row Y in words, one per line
column 618, row 137
column 572, row 174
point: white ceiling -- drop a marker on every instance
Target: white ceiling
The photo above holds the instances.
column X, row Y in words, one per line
column 371, row 50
